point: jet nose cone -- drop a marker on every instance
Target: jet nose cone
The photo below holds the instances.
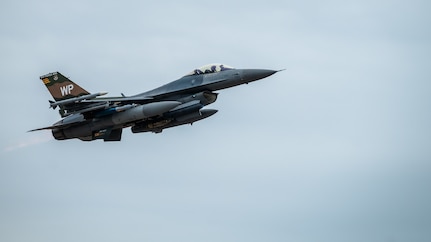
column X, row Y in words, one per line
column 249, row 75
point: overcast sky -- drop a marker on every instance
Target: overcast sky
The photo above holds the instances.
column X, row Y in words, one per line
column 335, row 148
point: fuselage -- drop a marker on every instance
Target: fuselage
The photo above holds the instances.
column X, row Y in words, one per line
column 207, row 82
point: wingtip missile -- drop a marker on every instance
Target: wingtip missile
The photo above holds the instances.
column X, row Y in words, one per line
column 76, row 99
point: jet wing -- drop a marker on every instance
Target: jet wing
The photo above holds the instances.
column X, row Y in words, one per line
column 89, row 105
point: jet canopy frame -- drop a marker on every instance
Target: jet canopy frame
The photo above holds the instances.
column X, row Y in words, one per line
column 210, row 68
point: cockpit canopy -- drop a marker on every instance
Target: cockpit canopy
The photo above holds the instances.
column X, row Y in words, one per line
column 211, row 68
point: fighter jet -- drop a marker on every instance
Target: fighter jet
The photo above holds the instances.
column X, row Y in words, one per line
column 88, row 116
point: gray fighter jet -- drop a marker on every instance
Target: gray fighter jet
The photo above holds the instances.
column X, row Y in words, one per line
column 87, row 116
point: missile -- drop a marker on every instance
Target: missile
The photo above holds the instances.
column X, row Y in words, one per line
column 76, row 99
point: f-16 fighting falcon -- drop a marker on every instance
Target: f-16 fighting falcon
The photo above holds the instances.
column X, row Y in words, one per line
column 87, row 116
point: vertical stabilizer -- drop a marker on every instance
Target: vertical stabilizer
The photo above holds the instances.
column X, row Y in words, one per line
column 61, row 87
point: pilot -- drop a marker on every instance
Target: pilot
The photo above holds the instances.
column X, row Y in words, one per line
column 198, row 72
column 212, row 70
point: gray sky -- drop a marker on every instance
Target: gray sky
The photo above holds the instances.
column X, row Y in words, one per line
column 335, row 148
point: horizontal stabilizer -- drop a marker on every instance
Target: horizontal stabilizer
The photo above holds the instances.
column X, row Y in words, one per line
column 61, row 124
column 50, row 127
